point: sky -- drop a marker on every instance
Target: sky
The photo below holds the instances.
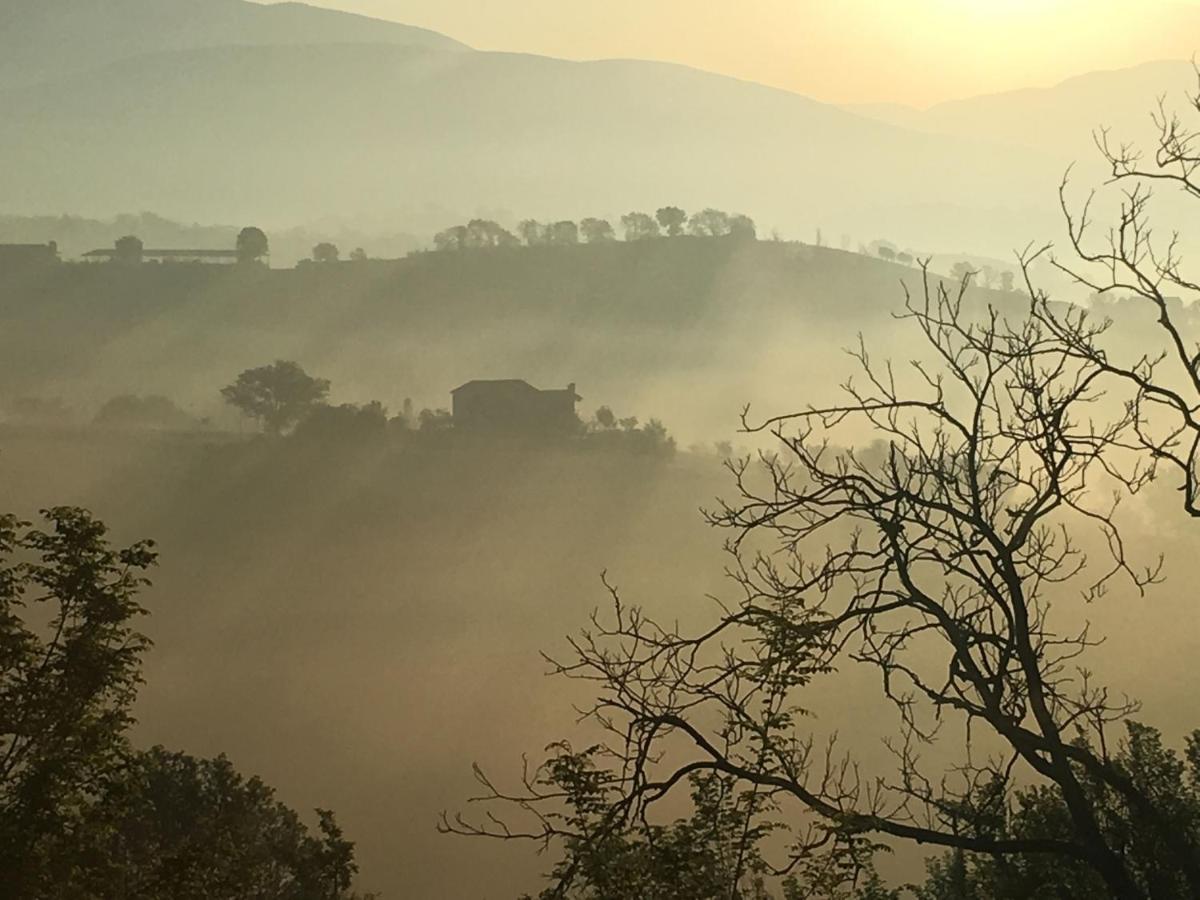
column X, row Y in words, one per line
column 916, row 52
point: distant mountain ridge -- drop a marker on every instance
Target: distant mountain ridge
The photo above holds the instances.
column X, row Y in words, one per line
column 225, row 110
column 1058, row 119
column 44, row 40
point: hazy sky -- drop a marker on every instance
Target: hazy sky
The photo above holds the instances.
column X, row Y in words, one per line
column 910, row 51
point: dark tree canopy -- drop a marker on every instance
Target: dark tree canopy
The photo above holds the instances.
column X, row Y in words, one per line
column 67, row 686
column 672, row 219
column 948, row 556
column 168, row 825
column 252, row 244
column 597, row 231
column 325, row 252
column 128, row 250
column 278, row 395
column 639, row 226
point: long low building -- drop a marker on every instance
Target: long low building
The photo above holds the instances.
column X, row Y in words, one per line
column 13, row 255
column 173, row 256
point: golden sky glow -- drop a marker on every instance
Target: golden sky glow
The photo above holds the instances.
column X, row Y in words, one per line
column 909, row 51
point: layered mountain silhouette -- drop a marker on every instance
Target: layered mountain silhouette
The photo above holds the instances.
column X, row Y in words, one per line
column 223, row 110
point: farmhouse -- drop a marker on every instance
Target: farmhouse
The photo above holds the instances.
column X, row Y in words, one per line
column 514, row 405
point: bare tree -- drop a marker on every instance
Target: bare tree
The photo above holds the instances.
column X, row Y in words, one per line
column 949, row 557
column 1131, row 260
column 935, row 558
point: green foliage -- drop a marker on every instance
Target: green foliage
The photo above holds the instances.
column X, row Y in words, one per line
column 66, row 689
column 128, row 250
column 476, row 234
column 82, row 815
column 639, row 226
column 348, row 421
column 278, row 395
column 1172, row 786
column 167, row 825
column 325, row 252
column 252, row 245
column 672, row 219
column 710, row 854
column 597, row 231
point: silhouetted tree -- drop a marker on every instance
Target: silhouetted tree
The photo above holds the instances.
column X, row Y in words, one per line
column 82, row 814
column 349, row 422
column 325, row 252
column 709, row 223
column 562, row 233
column 940, row 557
column 713, row 854
column 1006, row 281
column 639, row 226
column 358, row 254
column 252, row 245
column 887, row 253
column 453, row 238
column 486, row 233
column 672, row 219
column 66, row 690
column 166, row 825
column 742, row 227
column 905, row 259
column 605, row 418
column 128, row 250
column 597, row 231
column 962, row 272
column 278, row 395
column 532, row 232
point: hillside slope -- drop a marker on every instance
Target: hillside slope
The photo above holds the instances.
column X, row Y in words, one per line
column 687, row 329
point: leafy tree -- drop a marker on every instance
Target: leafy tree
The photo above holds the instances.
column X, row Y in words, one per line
column 252, row 245
column 83, row 815
column 713, row 853
column 532, row 232
column 709, row 223
column 562, row 233
column 742, row 227
column 66, row 689
column 605, row 419
column 905, row 259
column 453, row 238
column 1006, row 281
column 278, row 395
column 345, row 422
column 325, row 252
column 1040, row 813
column 887, row 253
column 166, row 825
column 597, row 231
column 672, row 219
column 962, row 272
column 358, row 254
column 639, row 226
column 128, row 250
column 486, row 233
